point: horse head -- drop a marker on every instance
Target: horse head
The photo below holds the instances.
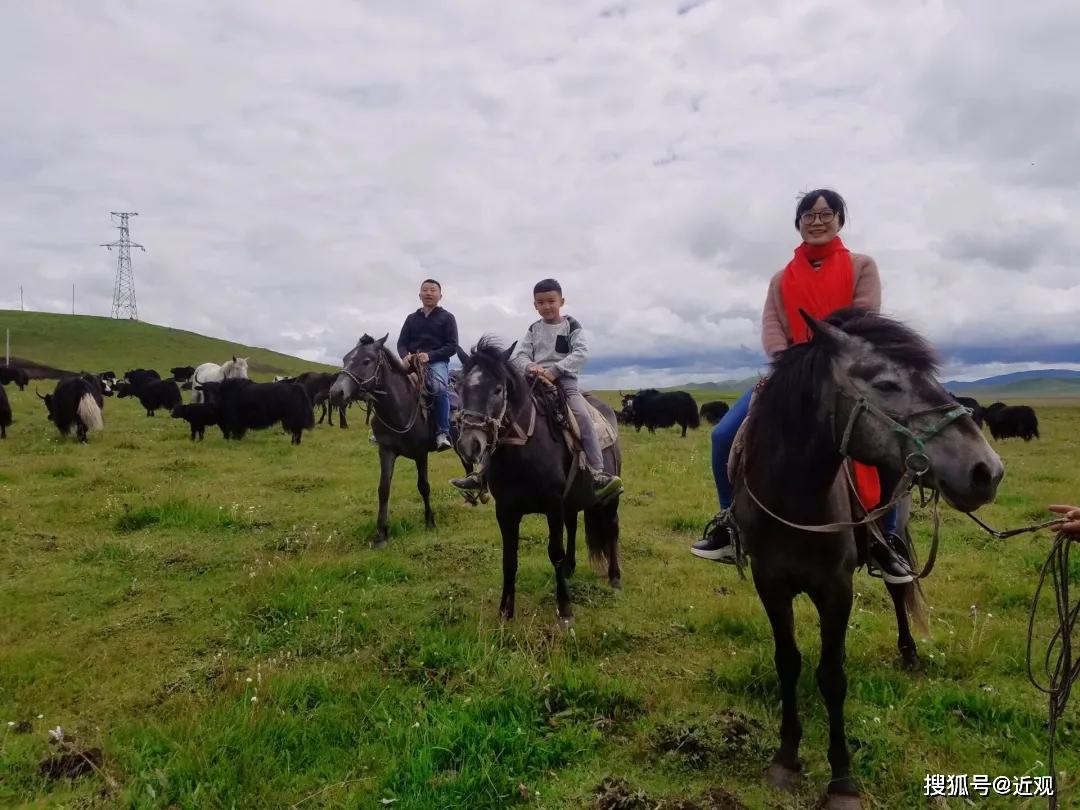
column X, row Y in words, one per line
column 880, row 394
column 492, row 389
column 363, row 367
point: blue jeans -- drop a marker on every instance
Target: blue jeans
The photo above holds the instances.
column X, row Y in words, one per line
column 438, row 380
column 723, row 436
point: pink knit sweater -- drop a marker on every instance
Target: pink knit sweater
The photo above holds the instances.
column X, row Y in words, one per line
column 775, row 334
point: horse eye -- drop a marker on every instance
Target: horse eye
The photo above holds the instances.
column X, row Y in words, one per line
column 888, row 387
column 498, row 389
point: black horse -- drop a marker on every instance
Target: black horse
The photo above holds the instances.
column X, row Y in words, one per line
column 863, row 386
column 530, row 470
column 374, row 372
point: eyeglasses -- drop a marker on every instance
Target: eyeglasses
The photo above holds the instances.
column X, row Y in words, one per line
column 825, row 215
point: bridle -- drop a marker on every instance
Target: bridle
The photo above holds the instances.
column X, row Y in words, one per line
column 916, row 466
column 368, row 395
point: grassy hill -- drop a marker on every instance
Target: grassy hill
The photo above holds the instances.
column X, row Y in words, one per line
column 77, row 342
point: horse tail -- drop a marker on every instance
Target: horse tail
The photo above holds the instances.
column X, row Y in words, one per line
column 602, row 533
column 90, row 413
column 914, row 597
column 915, row 604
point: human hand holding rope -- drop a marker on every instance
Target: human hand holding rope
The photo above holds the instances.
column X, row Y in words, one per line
column 1072, row 516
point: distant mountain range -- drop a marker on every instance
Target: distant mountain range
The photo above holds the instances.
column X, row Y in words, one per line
column 1044, row 382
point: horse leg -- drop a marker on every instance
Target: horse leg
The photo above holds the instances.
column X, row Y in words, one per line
column 510, row 526
column 909, row 655
column 834, row 608
column 570, row 564
column 557, row 556
column 387, row 458
column 341, row 417
column 785, row 770
column 425, row 489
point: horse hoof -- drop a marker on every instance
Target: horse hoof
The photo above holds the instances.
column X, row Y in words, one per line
column 842, row 801
column 378, row 542
column 566, row 623
column 910, row 662
column 783, row 778
column 616, row 584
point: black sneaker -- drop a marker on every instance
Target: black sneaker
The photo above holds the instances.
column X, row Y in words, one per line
column 605, row 485
column 715, row 544
column 889, row 557
column 442, row 442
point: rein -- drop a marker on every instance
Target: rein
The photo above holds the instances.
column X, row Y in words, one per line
column 369, row 394
column 916, row 465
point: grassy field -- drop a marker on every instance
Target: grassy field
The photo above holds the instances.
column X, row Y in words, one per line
column 210, row 616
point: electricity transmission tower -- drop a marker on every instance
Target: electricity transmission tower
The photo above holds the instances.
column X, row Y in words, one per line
column 123, row 302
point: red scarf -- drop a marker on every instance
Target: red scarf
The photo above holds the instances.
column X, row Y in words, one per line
column 821, row 291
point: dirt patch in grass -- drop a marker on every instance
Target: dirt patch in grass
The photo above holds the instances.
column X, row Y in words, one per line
column 619, row 794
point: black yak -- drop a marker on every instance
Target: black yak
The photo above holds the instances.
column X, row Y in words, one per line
column 978, row 413
column 198, row 415
column 76, row 403
column 244, row 405
column 713, row 412
column 5, row 413
column 182, row 373
column 652, row 409
column 152, row 394
column 16, row 375
column 138, row 376
column 1007, row 421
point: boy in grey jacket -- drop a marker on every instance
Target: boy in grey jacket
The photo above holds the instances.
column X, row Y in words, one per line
column 556, row 348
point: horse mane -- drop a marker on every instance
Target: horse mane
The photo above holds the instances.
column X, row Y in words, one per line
column 786, row 408
column 488, row 353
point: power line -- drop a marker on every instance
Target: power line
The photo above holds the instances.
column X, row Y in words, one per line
column 123, row 304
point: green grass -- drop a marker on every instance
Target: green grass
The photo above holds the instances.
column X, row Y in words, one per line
column 84, row 342
column 150, row 588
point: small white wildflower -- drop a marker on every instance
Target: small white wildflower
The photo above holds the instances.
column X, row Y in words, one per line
column 416, row 724
column 10, row 723
column 248, row 680
column 56, row 734
column 41, row 717
column 254, row 699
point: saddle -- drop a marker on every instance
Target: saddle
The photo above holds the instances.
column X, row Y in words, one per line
column 546, row 393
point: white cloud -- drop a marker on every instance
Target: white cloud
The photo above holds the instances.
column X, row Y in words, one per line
column 298, row 174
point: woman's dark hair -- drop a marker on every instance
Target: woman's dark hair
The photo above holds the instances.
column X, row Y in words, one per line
column 832, row 199
column 547, row 285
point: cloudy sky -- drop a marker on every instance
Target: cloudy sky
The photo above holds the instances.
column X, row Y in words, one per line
column 299, row 168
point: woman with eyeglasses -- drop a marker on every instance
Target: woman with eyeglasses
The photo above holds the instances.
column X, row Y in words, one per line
column 822, row 277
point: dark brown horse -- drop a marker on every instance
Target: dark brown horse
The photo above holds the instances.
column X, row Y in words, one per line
column 534, row 474
column 864, row 386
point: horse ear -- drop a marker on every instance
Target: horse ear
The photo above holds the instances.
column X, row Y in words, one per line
column 234, row 358
column 509, row 352
column 382, row 340
column 462, row 355
column 824, row 331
